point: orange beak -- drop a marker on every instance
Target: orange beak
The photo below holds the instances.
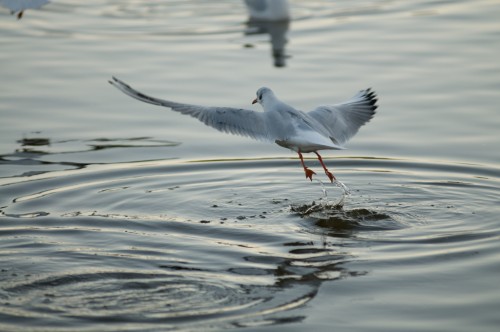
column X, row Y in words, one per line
column 254, row 101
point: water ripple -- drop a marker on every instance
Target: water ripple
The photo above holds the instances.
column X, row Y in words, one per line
column 234, row 243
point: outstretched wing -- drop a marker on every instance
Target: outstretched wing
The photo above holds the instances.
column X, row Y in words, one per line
column 226, row 119
column 342, row 121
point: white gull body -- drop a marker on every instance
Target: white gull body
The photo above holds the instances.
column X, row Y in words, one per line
column 268, row 10
column 326, row 127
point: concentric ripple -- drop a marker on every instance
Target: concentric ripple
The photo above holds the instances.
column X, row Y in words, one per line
column 129, row 297
column 219, row 244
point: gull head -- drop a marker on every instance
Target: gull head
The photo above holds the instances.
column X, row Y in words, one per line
column 263, row 94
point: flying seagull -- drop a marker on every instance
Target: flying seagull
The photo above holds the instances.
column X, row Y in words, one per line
column 324, row 128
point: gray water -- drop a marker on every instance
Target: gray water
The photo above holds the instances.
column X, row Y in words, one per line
column 117, row 215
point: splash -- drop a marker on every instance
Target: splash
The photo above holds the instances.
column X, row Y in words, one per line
column 325, row 203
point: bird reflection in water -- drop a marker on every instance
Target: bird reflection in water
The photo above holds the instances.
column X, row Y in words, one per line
column 271, row 17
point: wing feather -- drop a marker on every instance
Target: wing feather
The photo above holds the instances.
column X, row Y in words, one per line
column 342, row 121
column 226, row 119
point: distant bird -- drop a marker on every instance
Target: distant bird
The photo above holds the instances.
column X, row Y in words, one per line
column 19, row 6
column 277, row 31
column 324, row 128
column 268, row 10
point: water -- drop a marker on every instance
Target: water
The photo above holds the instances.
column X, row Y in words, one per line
column 117, row 215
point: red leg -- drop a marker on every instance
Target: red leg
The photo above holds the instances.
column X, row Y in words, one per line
column 327, row 172
column 309, row 173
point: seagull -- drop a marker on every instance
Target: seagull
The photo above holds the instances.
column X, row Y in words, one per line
column 326, row 127
column 268, row 10
column 19, row 6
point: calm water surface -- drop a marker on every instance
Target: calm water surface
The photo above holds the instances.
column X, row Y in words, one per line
column 116, row 215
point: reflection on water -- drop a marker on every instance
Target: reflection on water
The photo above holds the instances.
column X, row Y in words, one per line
column 52, row 155
column 273, row 18
column 277, row 31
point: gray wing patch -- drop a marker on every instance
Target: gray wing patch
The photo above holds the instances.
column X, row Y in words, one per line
column 226, row 119
column 342, row 121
